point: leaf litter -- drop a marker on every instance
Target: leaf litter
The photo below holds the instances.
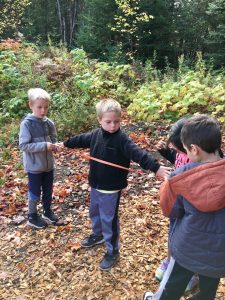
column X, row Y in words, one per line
column 50, row 264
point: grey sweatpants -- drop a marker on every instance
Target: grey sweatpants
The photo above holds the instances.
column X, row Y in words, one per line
column 104, row 216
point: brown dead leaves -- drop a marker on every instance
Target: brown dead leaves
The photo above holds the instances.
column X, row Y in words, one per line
column 51, row 265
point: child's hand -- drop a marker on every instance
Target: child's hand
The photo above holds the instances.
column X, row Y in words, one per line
column 59, row 147
column 163, row 172
column 161, row 145
column 55, row 147
column 51, row 147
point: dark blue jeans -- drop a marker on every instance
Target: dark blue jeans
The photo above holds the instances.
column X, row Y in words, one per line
column 40, row 186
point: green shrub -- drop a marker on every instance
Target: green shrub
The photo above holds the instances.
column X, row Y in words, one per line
column 9, row 132
column 72, row 115
column 9, row 76
column 76, row 83
column 16, row 107
column 184, row 93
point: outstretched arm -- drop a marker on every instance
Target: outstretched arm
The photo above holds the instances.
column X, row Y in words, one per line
column 143, row 158
column 168, row 153
column 82, row 140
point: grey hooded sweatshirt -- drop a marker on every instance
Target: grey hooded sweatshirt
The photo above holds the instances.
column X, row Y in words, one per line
column 34, row 136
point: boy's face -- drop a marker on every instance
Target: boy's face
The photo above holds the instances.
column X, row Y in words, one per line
column 39, row 108
column 110, row 122
column 193, row 153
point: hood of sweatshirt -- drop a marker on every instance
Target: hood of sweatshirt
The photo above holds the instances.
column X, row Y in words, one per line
column 33, row 118
column 203, row 186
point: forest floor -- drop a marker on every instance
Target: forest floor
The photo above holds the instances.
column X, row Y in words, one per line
column 49, row 264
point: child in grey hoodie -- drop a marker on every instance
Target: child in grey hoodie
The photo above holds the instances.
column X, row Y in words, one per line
column 36, row 139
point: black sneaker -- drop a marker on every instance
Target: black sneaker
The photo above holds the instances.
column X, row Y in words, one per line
column 92, row 240
column 108, row 261
column 50, row 217
column 34, row 220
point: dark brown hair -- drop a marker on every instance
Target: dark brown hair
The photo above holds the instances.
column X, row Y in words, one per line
column 203, row 131
column 174, row 134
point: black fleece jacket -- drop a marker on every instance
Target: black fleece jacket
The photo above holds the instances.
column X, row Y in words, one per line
column 114, row 147
column 169, row 154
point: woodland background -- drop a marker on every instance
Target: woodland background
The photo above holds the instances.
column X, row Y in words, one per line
column 117, row 30
column 161, row 60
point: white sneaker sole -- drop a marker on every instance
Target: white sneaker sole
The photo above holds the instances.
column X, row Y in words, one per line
column 95, row 244
column 35, row 226
column 148, row 296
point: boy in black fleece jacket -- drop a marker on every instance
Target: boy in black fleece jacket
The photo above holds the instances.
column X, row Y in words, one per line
column 109, row 143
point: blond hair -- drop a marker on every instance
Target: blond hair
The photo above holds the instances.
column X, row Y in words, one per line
column 38, row 94
column 108, row 105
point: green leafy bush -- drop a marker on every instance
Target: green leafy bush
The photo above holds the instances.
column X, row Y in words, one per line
column 9, row 76
column 77, row 82
column 9, row 132
column 191, row 91
column 102, row 79
column 17, row 76
column 76, row 114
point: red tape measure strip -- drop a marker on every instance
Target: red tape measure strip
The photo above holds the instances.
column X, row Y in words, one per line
column 108, row 163
column 111, row 164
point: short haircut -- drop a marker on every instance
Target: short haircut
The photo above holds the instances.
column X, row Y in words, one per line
column 174, row 134
column 203, row 131
column 38, row 94
column 108, row 105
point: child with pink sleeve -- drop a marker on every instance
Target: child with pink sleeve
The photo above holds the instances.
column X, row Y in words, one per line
column 175, row 153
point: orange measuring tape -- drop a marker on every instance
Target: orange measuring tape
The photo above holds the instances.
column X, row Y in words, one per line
column 88, row 157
